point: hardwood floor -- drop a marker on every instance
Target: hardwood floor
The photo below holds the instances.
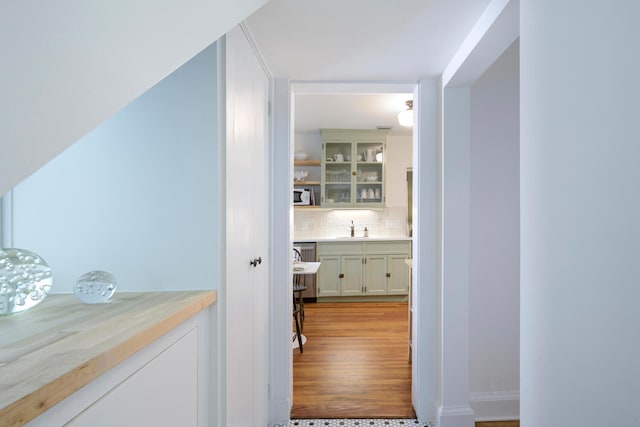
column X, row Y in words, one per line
column 354, row 363
column 514, row 423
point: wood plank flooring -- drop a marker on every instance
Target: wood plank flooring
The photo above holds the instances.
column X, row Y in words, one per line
column 354, row 363
column 514, row 423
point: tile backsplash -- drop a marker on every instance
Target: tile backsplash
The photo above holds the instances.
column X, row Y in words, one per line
column 321, row 223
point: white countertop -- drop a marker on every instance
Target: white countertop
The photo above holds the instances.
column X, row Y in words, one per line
column 352, row 239
column 305, row 267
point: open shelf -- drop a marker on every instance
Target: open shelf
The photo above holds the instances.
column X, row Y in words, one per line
column 306, row 163
column 305, row 183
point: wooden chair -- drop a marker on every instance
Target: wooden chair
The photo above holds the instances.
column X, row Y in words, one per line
column 299, row 286
column 296, row 315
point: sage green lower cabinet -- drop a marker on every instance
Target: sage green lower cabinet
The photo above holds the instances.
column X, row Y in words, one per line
column 328, row 282
column 375, row 268
column 351, row 271
column 399, row 275
column 375, row 271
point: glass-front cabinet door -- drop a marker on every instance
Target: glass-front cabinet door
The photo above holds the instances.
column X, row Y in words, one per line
column 337, row 178
column 353, row 167
column 369, row 174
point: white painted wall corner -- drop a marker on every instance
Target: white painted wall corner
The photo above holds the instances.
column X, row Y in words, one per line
column 496, row 405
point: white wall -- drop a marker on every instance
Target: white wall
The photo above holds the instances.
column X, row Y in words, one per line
column 398, row 158
column 137, row 196
column 68, row 66
column 454, row 409
column 494, row 245
column 580, row 221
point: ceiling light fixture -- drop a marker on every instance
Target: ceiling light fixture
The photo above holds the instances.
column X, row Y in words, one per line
column 405, row 118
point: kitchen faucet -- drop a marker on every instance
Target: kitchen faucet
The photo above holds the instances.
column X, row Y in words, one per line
column 353, row 233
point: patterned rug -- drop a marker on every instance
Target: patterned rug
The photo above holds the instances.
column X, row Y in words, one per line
column 355, row 423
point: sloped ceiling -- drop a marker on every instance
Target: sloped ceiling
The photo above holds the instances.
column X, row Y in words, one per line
column 67, row 65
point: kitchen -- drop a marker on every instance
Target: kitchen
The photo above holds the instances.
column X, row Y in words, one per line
column 353, row 156
column 340, row 208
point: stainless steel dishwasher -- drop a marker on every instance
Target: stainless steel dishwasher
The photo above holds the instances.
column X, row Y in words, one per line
column 308, row 252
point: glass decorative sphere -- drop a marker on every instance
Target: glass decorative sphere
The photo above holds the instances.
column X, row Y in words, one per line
column 95, row 287
column 25, row 280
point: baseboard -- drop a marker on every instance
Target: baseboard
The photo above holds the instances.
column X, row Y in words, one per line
column 496, row 405
column 455, row 416
column 372, row 298
column 280, row 411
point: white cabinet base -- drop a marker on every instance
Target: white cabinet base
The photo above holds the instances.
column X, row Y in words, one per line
column 164, row 384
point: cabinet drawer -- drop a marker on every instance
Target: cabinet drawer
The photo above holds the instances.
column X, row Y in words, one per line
column 340, row 248
column 388, row 247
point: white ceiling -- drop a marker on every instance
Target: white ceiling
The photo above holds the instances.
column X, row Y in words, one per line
column 359, row 41
column 350, row 111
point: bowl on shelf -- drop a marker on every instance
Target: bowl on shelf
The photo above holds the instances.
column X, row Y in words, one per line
column 300, row 155
column 300, row 175
column 373, row 178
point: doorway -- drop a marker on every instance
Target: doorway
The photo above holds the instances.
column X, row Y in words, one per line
column 314, row 109
column 425, row 247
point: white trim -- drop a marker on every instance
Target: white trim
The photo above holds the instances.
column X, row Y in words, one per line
column 6, row 220
column 455, row 416
column 307, row 88
column 496, row 405
column 494, row 31
column 426, row 251
column 281, row 357
column 282, row 151
column 218, row 412
column 256, row 49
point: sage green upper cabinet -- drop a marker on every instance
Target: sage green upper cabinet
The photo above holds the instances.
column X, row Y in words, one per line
column 352, row 168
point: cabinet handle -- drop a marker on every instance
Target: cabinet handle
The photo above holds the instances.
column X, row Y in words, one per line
column 388, row 274
column 341, row 276
column 254, row 262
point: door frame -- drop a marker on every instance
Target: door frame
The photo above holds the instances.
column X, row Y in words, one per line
column 425, row 274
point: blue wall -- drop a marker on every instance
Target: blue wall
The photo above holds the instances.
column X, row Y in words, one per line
column 138, row 195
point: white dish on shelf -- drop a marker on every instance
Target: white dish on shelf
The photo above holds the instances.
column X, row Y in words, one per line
column 372, row 178
column 300, row 175
column 300, row 155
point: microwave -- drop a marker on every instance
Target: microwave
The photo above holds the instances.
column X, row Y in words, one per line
column 303, row 197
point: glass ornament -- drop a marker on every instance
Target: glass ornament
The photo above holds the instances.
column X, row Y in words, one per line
column 25, row 280
column 95, row 287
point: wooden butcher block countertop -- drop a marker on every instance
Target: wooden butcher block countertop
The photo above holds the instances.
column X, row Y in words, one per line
column 52, row 350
